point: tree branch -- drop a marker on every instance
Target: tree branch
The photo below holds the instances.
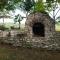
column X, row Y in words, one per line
column 57, row 12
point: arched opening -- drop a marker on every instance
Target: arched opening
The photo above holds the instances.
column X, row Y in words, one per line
column 38, row 29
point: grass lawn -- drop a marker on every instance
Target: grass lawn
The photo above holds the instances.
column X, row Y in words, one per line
column 57, row 27
column 13, row 53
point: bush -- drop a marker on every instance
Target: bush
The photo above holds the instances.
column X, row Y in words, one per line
column 12, row 27
column 2, row 27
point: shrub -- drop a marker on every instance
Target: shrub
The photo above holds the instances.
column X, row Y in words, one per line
column 2, row 27
column 12, row 27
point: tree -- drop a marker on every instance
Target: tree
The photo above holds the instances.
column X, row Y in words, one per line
column 52, row 5
column 48, row 6
column 6, row 6
column 58, row 20
column 18, row 18
column 4, row 15
column 27, row 5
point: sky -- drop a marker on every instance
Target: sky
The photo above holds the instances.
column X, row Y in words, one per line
column 58, row 14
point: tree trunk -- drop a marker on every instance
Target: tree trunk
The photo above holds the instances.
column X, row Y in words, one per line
column 3, row 20
column 19, row 25
column 54, row 13
column 3, row 17
column 26, row 15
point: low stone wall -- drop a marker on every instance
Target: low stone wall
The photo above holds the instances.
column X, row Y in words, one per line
column 24, row 41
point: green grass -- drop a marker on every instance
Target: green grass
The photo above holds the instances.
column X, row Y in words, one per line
column 12, row 24
column 57, row 27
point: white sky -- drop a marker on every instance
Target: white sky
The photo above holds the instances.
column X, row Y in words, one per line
column 58, row 14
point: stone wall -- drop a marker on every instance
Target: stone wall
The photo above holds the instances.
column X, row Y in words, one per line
column 53, row 43
column 51, row 40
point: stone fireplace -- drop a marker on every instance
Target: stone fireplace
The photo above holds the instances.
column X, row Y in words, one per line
column 40, row 26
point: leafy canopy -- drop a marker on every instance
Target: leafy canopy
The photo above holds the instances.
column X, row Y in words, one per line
column 27, row 5
column 8, row 4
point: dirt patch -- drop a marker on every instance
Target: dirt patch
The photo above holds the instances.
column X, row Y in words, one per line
column 18, row 53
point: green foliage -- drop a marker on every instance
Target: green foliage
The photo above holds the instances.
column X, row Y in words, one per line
column 49, row 5
column 49, row 1
column 3, row 3
column 12, row 27
column 8, row 4
column 2, row 27
column 58, row 1
column 27, row 5
column 39, row 7
column 12, row 4
column 10, row 7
